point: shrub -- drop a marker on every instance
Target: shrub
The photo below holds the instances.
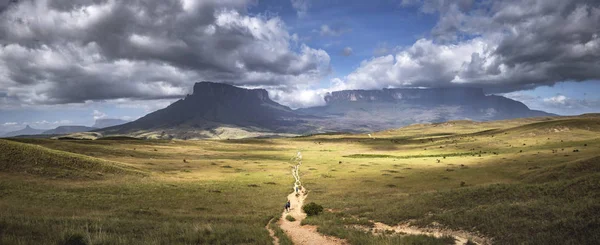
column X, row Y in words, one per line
column 74, row 239
column 312, row 209
column 290, row 218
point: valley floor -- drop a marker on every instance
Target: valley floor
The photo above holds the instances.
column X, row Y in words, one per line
column 526, row 181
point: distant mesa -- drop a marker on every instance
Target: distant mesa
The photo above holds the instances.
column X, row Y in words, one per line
column 217, row 110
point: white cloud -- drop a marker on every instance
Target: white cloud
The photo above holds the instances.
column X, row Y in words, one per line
column 329, row 31
column 44, row 122
column 347, row 51
column 10, row 124
column 424, row 64
column 98, row 114
column 301, row 7
column 105, row 50
column 559, row 99
column 501, row 46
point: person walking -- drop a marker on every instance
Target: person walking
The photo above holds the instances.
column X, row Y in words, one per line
column 287, row 206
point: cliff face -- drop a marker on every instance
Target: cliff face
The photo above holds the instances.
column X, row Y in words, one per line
column 224, row 94
column 466, row 97
column 432, row 96
column 215, row 105
column 372, row 110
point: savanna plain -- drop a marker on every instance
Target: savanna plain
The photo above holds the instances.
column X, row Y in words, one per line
column 524, row 181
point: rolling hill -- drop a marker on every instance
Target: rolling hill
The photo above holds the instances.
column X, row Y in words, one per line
column 40, row 161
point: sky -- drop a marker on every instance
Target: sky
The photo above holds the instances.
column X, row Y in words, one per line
column 70, row 62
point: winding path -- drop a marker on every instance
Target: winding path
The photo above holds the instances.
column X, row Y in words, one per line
column 308, row 235
column 303, row 234
column 300, row 234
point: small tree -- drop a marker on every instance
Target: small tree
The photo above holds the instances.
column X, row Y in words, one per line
column 312, row 209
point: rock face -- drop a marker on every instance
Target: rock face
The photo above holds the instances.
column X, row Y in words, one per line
column 433, row 96
column 371, row 110
column 69, row 130
column 26, row 131
column 214, row 108
column 105, row 123
column 214, row 105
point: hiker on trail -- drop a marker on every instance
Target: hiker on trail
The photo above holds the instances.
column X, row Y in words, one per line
column 287, row 206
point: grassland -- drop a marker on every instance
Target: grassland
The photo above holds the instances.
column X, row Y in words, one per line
column 527, row 181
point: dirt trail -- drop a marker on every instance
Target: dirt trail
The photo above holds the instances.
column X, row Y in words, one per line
column 307, row 234
column 461, row 237
column 303, row 234
column 272, row 233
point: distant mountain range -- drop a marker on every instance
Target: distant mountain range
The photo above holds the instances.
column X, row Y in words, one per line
column 26, row 131
column 61, row 130
column 216, row 110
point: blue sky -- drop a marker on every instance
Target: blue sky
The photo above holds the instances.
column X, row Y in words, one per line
column 296, row 49
column 368, row 29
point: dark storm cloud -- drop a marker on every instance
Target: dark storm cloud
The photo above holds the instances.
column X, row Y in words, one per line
column 64, row 51
column 502, row 46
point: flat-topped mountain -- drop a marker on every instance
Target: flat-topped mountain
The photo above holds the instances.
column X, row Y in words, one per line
column 211, row 110
column 225, row 111
column 372, row 110
column 414, row 95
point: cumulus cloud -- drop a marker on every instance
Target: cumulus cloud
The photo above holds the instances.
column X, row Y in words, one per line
column 68, row 51
column 45, row 123
column 559, row 104
column 98, row 114
column 347, row 51
column 332, row 31
column 301, row 7
column 565, row 103
column 501, row 46
column 556, row 100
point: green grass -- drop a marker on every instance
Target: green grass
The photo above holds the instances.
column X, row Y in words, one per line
column 409, row 156
column 280, row 234
column 344, row 226
column 562, row 212
column 40, row 161
column 124, row 191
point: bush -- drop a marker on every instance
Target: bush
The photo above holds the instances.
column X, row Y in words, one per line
column 290, row 218
column 312, row 209
column 74, row 239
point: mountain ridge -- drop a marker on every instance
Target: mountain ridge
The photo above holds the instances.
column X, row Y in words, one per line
column 217, row 109
column 28, row 130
